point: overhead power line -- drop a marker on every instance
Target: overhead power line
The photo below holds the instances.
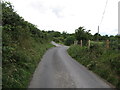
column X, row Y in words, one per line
column 104, row 12
column 101, row 20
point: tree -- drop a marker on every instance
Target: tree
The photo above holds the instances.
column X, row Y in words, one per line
column 97, row 36
column 81, row 34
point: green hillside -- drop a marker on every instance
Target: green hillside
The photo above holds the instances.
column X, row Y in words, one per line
column 23, row 47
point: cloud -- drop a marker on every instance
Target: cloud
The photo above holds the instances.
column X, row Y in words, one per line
column 68, row 15
column 57, row 12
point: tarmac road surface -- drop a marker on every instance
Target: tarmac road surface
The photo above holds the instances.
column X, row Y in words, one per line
column 58, row 70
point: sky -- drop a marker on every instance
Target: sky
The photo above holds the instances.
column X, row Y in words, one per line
column 68, row 15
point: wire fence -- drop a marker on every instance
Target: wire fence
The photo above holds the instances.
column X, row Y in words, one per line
column 107, row 44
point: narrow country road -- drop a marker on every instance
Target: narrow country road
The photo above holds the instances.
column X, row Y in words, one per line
column 58, row 70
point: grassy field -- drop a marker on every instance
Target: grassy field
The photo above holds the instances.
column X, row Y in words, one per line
column 104, row 62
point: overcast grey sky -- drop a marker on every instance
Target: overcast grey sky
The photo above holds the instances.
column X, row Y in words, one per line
column 68, row 15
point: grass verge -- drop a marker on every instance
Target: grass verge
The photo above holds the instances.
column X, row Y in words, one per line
column 20, row 64
column 102, row 61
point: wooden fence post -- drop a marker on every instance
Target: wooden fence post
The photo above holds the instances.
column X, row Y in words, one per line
column 81, row 43
column 107, row 44
column 88, row 43
column 75, row 42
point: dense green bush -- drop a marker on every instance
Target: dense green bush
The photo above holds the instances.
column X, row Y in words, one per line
column 69, row 40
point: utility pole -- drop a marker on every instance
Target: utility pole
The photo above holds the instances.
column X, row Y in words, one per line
column 98, row 29
column 98, row 34
column 119, row 18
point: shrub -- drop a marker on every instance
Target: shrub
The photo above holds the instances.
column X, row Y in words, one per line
column 69, row 40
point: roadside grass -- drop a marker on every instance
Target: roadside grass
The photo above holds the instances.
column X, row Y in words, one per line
column 23, row 46
column 20, row 63
column 104, row 62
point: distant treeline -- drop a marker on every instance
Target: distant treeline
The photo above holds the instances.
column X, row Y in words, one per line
column 82, row 34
